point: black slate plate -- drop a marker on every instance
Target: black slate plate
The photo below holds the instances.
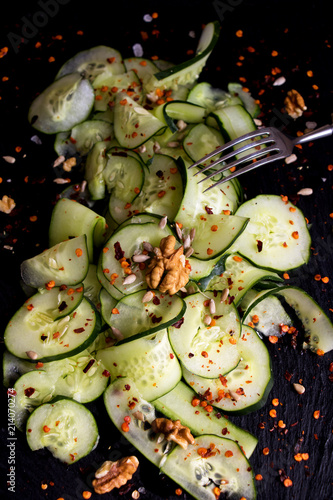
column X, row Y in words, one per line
column 299, row 33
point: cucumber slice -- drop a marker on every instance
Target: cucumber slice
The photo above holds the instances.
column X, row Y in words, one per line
column 130, row 403
column 63, row 145
column 208, row 214
column 52, row 325
column 207, row 350
column 125, row 243
column 211, row 461
column 250, row 104
column 200, row 141
column 205, row 95
column 317, row 325
column 268, row 308
column 246, row 388
column 32, row 390
column 177, row 405
column 91, row 285
column 81, row 378
column 124, row 178
column 87, row 134
column 182, row 110
column 62, row 105
column 146, row 317
column 277, row 236
column 66, row 428
column 133, row 124
column 143, row 68
column 82, row 220
column 107, row 87
column 148, row 361
column 161, row 193
column 94, row 166
column 233, row 122
column 238, row 276
column 189, row 71
column 65, row 263
column 93, row 62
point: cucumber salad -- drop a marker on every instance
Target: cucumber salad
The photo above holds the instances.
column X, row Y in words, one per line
column 155, row 294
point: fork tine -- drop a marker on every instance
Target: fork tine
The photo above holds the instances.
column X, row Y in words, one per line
column 253, row 144
column 250, row 135
column 243, row 170
column 236, row 162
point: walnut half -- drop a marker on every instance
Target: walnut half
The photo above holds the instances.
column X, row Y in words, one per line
column 166, row 271
column 173, row 430
column 114, row 474
column 294, row 104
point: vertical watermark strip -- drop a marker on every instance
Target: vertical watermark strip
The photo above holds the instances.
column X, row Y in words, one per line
column 11, row 441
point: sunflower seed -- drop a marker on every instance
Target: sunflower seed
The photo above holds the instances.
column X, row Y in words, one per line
column 179, row 231
column 140, row 257
column 279, row 81
column 148, row 296
column 117, row 333
column 147, row 246
column 290, row 159
column 207, row 320
column 32, row 354
column 189, row 252
column 9, row 159
column 224, row 294
column 212, row 306
column 300, row 389
column 187, row 242
column 163, row 222
column 305, row 191
column 129, row 279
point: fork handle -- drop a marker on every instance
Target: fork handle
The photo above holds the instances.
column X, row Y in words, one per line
column 319, row 133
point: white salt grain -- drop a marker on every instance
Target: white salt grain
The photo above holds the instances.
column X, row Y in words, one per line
column 137, row 50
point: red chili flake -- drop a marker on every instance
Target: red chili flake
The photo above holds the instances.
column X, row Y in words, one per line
column 29, row 391
column 79, row 330
column 156, row 319
column 179, row 323
column 106, row 373
column 259, row 245
column 223, row 380
column 209, row 210
column 119, row 253
column 46, row 428
column 89, row 365
column 62, row 306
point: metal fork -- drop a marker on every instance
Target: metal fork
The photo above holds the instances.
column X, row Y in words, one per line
column 269, row 144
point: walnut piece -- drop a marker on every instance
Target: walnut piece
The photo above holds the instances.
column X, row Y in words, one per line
column 69, row 164
column 294, row 104
column 173, row 430
column 7, row 204
column 114, row 474
column 166, row 271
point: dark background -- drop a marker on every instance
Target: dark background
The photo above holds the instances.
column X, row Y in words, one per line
column 300, row 33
